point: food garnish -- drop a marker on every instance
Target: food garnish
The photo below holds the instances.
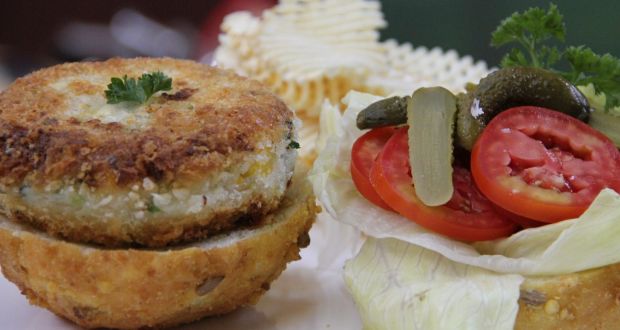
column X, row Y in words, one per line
column 530, row 30
column 363, row 154
column 384, row 284
column 467, row 127
column 533, row 28
column 601, row 73
column 137, row 91
column 530, row 165
column 500, row 90
column 386, row 112
column 430, row 116
column 542, row 164
column 418, row 273
column 293, row 145
column 538, row 163
column 557, row 248
column 516, row 86
column 468, row 216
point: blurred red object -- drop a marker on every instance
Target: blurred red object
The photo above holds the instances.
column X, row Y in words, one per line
column 211, row 26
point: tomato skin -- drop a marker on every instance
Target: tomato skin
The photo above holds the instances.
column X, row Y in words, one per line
column 542, row 164
column 363, row 153
column 391, row 179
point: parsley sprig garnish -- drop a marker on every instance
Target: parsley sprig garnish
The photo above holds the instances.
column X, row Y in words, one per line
column 602, row 71
column 530, row 29
column 534, row 29
column 137, row 91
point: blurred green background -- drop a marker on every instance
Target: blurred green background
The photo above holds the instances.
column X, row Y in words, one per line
column 466, row 25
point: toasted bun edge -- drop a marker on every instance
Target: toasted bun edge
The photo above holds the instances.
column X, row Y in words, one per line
column 127, row 288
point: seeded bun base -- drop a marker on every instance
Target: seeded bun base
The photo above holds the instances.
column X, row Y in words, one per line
column 126, row 288
column 584, row 300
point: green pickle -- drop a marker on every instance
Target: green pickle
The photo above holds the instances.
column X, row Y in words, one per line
column 499, row 91
column 386, row 112
column 430, row 115
column 467, row 128
column 512, row 87
column 517, row 86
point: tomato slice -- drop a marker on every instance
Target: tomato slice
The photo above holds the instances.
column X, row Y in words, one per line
column 363, row 153
column 542, row 164
column 468, row 216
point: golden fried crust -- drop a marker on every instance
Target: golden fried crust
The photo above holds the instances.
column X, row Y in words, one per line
column 149, row 288
column 585, row 300
column 51, row 126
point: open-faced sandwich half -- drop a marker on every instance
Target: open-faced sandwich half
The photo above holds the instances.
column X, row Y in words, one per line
column 495, row 208
column 147, row 192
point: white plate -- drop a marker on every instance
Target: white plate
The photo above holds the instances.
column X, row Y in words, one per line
column 310, row 294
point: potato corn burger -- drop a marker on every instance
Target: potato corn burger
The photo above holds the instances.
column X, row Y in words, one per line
column 147, row 192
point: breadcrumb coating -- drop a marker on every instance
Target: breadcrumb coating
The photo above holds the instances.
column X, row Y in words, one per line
column 187, row 164
column 50, row 128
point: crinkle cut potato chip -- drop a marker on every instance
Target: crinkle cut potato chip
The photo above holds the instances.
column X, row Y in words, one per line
column 312, row 51
column 306, row 50
column 407, row 68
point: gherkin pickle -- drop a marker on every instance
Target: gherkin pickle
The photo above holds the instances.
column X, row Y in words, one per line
column 517, row 86
column 467, row 128
column 386, row 112
column 500, row 90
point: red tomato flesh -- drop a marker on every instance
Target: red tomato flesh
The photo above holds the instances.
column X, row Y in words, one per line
column 468, row 216
column 363, row 153
column 542, row 164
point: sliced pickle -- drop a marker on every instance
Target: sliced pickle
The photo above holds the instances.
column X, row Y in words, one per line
column 386, row 112
column 431, row 115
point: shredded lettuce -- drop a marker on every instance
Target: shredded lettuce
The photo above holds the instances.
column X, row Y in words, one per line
column 565, row 247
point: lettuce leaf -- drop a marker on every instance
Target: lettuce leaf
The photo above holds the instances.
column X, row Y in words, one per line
column 597, row 100
column 569, row 246
column 402, row 286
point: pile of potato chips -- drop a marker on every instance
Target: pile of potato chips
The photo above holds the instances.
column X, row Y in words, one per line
column 312, row 51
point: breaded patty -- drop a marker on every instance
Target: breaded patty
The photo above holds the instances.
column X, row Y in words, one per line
column 188, row 163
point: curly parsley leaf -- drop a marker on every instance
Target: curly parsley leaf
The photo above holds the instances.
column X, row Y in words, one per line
column 529, row 29
column 602, row 71
column 535, row 27
column 137, row 91
column 294, row 145
column 514, row 58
